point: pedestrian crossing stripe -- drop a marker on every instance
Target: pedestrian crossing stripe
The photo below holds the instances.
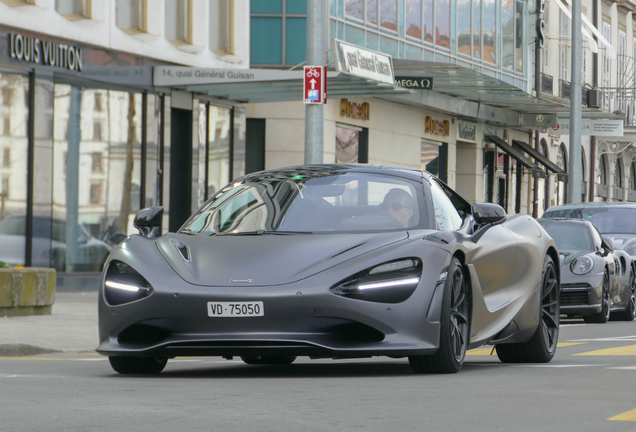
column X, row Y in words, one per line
column 626, row 416
column 629, row 350
column 489, row 351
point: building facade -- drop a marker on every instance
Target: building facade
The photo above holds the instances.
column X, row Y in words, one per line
column 86, row 140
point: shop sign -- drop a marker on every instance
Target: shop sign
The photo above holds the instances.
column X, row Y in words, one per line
column 354, row 110
column 31, row 49
column 436, row 127
column 466, row 131
column 363, row 63
column 594, row 127
column 414, row 83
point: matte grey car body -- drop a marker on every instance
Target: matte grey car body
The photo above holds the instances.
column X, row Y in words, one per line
column 485, row 280
column 594, row 276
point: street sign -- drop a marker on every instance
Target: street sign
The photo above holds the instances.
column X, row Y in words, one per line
column 314, row 85
column 363, row 63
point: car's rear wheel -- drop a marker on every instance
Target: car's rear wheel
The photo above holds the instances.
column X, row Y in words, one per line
column 630, row 311
column 604, row 315
column 453, row 338
column 268, row 360
column 138, row 365
column 542, row 346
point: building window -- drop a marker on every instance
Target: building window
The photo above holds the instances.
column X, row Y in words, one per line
column 97, row 131
column 178, row 15
column 618, row 173
column 6, row 158
column 97, row 165
column 96, row 193
column 131, row 15
column 6, row 130
column 607, row 64
column 278, row 34
column 7, row 96
column 564, row 45
column 99, row 102
column 5, row 188
column 220, row 27
column 73, row 9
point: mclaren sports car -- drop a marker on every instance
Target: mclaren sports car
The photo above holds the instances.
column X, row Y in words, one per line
column 332, row 261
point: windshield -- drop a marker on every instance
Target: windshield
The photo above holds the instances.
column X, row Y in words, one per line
column 343, row 202
column 608, row 220
column 570, row 237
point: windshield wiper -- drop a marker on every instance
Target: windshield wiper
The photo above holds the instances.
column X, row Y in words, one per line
column 287, row 232
column 262, row 232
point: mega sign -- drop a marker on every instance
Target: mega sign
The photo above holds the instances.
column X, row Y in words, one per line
column 415, row 83
column 34, row 50
column 363, row 63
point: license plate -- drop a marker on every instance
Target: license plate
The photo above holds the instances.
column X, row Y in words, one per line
column 235, row 309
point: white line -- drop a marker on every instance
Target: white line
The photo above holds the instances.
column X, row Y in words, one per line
column 623, row 368
column 565, row 366
column 610, row 339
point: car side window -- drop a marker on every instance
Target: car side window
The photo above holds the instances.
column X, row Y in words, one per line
column 446, row 214
column 596, row 236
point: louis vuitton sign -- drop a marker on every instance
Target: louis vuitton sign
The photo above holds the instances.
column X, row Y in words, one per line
column 33, row 50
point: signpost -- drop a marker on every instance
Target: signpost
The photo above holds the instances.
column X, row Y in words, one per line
column 314, row 85
column 363, row 63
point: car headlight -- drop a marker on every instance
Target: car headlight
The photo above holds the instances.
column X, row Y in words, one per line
column 391, row 282
column 582, row 265
column 124, row 284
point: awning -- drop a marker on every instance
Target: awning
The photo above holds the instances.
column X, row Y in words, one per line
column 541, row 159
column 464, row 83
column 264, row 85
column 515, row 153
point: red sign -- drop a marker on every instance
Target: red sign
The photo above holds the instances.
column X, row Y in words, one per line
column 314, row 85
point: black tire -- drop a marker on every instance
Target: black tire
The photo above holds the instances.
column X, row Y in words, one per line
column 454, row 329
column 268, row 360
column 542, row 346
column 604, row 315
column 630, row 311
column 138, row 365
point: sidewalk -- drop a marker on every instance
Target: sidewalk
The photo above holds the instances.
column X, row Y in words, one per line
column 72, row 326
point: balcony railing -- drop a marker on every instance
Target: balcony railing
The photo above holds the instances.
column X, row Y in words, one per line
column 546, row 84
column 564, row 89
column 622, row 98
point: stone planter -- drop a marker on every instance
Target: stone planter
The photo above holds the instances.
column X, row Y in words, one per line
column 28, row 291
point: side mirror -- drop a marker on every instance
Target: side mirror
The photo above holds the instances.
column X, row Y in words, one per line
column 484, row 213
column 607, row 244
column 146, row 220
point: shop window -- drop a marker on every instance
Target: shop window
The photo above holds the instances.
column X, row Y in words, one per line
column 6, row 158
column 434, row 156
column 220, row 27
column 96, row 193
column 268, row 20
column 218, row 122
column 73, row 9
column 178, row 16
column 546, row 180
column 351, row 144
column 97, row 165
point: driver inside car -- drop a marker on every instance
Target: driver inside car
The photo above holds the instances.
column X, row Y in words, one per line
column 398, row 204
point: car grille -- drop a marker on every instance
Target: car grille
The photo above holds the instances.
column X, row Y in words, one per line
column 573, row 298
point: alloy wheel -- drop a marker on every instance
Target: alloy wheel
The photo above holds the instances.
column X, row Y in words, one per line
column 550, row 309
column 458, row 315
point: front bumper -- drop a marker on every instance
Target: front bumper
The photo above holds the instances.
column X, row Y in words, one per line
column 580, row 298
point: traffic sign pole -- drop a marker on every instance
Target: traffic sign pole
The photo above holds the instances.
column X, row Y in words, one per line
column 314, row 112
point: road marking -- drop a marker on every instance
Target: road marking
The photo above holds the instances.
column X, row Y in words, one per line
column 629, row 350
column 623, row 368
column 489, row 351
column 626, row 416
column 562, row 366
column 610, row 339
column 53, row 358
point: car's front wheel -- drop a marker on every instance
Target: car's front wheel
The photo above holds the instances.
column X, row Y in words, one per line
column 453, row 338
column 630, row 311
column 137, row 365
column 543, row 344
column 268, row 360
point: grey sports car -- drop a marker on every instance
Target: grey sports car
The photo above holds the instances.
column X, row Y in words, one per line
column 593, row 274
column 332, row 261
column 617, row 223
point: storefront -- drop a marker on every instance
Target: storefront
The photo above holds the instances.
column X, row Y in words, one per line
column 86, row 141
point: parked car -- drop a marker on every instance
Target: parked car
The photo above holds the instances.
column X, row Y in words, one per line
column 332, row 261
column 615, row 221
column 49, row 244
column 596, row 279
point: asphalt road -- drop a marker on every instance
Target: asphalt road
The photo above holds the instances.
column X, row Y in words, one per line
column 589, row 386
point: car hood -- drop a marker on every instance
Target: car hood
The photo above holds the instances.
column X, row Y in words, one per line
column 259, row 260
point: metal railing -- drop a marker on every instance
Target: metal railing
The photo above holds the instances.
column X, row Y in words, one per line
column 622, row 98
